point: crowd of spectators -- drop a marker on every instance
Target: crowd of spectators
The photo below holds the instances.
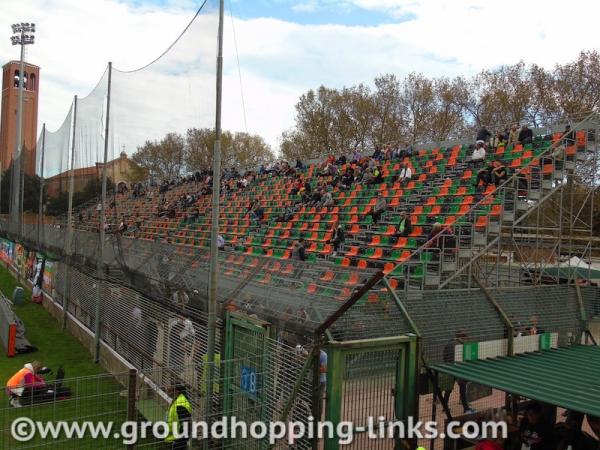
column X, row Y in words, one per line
column 341, row 173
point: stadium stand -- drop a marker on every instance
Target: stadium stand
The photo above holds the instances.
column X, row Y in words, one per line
column 267, row 212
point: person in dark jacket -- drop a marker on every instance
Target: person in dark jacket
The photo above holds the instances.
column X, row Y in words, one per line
column 483, row 134
column 299, row 252
column 449, row 357
column 535, row 432
column 525, row 135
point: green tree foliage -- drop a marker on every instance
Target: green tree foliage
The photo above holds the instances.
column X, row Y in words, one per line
column 55, row 206
column 31, row 192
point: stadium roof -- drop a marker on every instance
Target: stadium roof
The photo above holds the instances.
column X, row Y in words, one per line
column 568, row 377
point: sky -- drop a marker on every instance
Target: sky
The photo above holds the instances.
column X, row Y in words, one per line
column 284, row 48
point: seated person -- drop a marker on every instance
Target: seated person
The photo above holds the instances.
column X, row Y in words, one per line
column 326, row 199
column 258, row 213
column 499, row 174
column 485, row 175
column 27, row 386
column 405, row 174
column 377, row 176
column 535, row 432
column 367, row 177
column 404, row 228
column 346, row 179
column 478, row 155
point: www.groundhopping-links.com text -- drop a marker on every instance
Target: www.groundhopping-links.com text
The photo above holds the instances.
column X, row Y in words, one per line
column 24, row 429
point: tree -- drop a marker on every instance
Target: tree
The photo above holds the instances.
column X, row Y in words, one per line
column 162, row 160
column 30, row 195
column 240, row 150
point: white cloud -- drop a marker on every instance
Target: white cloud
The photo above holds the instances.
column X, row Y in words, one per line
column 305, row 7
column 281, row 60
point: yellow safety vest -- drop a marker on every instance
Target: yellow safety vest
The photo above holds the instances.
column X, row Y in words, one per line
column 173, row 418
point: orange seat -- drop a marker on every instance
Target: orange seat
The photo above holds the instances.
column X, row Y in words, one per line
column 401, row 242
column 328, row 276
column 482, row 222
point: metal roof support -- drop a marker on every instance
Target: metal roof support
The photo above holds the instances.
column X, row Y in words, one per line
column 349, row 303
column 509, row 325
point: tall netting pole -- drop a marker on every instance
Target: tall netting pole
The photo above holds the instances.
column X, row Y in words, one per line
column 100, row 266
column 40, row 203
column 69, row 240
column 214, row 248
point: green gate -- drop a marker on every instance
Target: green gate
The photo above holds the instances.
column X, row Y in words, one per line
column 371, row 378
column 247, row 373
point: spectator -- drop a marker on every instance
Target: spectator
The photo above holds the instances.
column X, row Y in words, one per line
column 568, row 136
column 356, row 156
column 220, row 242
column 499, row 174
column 299, row 165
column 377, row 154
column 432, row 237
column 367, row 177
column 533, row 328
column 405, row 174
column 327, row 199
column 513, row 135
column 377, row 176
column 483, row 134
column 346, row 180
column 258, row 213
column 525, row 135
column 379, row 208
column 485, row 175
column 498, row 140
column 478, row 155
column 338, row 238
column 404, row 228
column 122, row 226
column 449, row 357
column 299, row 251
column 535, row 432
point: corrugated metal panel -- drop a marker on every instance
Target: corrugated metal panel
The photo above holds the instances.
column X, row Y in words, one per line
column 567, row 377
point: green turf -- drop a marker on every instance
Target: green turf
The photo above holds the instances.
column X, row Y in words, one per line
column 95, row 396
column 55, row 346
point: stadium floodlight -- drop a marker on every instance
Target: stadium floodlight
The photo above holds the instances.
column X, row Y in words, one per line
column 23, row 34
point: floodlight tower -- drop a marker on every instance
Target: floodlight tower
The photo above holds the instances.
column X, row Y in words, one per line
column 23, row 34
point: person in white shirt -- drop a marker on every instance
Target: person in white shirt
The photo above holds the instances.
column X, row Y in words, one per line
column 220, row 242
column 478, row 155
column 405, row 174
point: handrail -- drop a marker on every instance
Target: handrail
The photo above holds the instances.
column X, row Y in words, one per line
column 492, row 194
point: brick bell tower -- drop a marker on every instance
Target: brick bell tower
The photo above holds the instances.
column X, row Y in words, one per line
column 8, row 118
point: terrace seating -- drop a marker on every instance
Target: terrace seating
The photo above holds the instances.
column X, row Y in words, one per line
column 441, row 190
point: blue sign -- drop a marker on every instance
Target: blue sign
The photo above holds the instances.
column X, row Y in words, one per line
column 249, row 382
